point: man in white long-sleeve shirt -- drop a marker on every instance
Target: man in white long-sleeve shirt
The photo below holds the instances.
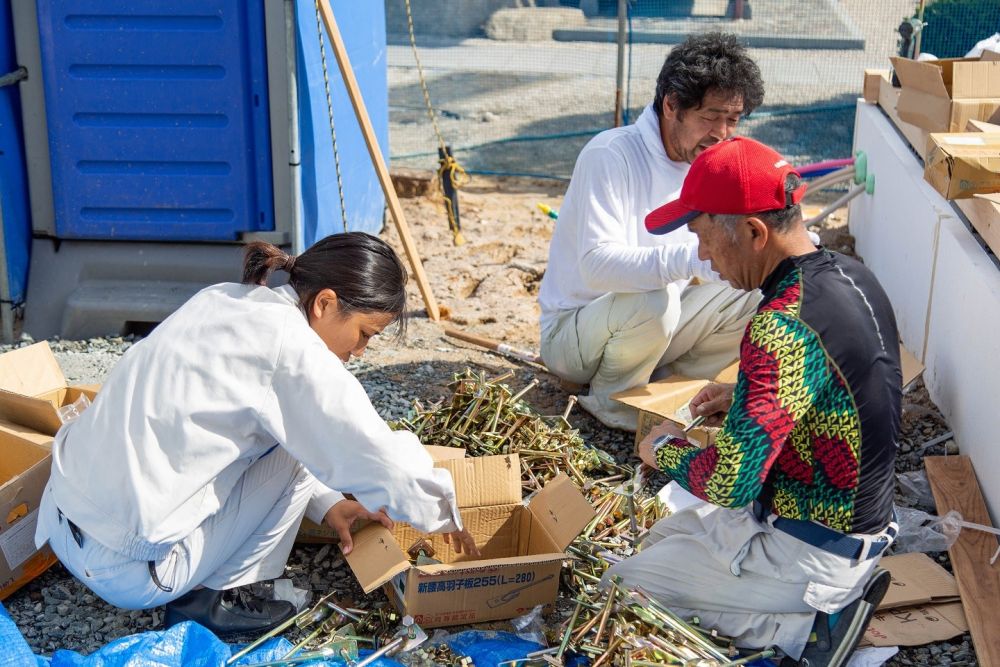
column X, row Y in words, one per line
column 618, row 304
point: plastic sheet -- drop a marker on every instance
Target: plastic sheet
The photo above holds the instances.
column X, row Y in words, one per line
column 487, row 648
column 920, row 531
column 916, row 490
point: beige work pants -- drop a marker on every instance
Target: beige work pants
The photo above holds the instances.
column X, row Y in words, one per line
column 620, row 341
column 741, row 577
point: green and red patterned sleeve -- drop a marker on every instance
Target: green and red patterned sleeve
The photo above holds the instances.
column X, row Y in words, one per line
column 782, row 368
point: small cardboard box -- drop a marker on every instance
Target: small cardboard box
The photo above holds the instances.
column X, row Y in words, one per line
column 522, row 548
column 961, row 165
column 25, row 459
column 32, row 388
column 661, row 400
column 942, row 95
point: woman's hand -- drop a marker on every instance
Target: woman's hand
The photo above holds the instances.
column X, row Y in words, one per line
column 668, row 429
column 713, row 402
column 462, row 539
column 345, row 513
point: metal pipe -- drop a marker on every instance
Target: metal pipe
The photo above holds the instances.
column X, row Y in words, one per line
column 620, row 71
column 837, row 203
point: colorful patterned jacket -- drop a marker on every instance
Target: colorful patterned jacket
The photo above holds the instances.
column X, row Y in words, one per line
column 812, row 431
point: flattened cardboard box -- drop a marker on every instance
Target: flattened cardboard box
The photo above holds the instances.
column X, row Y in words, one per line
column 522, row 548
column 964, row 164
column 942, row 95
column 311, row 532
column 25, row 460
column 921, row 606
column 33, row 388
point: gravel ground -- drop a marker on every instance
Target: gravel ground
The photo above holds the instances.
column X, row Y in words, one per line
column 56, row 611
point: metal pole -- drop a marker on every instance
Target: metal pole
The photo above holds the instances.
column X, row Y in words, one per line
column 295, row 161
column 920, row 30
column 6, row 302
column 620, row 74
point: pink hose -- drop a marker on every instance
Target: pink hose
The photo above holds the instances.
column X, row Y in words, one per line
column 826, row 165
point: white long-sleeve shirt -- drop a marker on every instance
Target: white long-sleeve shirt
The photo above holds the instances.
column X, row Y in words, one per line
column 600, row 243
column 185, row 412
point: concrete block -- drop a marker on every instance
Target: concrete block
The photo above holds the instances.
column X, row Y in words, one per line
column 532, row 24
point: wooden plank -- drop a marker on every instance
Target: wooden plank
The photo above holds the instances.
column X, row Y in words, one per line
column 887, row 99
column 953, row 482
column 354, row 92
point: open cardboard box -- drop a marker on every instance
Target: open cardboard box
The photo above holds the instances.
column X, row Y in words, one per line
column 942, row 95
column 522, row 548
column 33, row 388
column 25, row 460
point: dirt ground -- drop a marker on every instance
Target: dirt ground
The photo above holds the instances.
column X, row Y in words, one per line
column 490, row 283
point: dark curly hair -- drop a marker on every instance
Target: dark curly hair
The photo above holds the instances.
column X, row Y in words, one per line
column 712, row 61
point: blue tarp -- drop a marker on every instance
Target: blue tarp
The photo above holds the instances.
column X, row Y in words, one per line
column 14, row 216
column 362, row 25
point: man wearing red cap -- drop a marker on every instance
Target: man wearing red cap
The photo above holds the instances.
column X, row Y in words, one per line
column 618, row 304
column 793, row 502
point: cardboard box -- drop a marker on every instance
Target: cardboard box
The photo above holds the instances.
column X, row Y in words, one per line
column 661, row 401
column 32, row 388
column 942, row 95
column 522, row 548
column 311, row 532
column 983, row 213
column 921, row 606
column 964, row 164
column 25, row 459
column 888, row 99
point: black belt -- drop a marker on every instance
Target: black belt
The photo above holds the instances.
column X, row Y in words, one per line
column 825, row 538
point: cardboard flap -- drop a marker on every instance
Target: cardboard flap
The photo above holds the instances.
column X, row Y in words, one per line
column 972, row 78
column 31, row 371
column 923, row 76
column 37, row 414
column 482, row 481
column 561, row 510
column 917, row 579
column 376, row 558
column 439, row 453
column 11, row 430
column 489, row 563
column 663, row 397
column 991, row 197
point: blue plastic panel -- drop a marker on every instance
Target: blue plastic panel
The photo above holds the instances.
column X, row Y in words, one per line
column 14, row 214
column 157, row 116
column 362, row 25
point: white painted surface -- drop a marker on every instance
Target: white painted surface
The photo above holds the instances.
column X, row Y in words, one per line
column 896, row 228
column 944, row 288
column 963, row 352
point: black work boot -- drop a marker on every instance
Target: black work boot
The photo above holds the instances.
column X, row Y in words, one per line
column 231, row 612
column 832, row 645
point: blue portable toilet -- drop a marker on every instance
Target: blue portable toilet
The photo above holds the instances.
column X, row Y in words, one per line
column 162, row 137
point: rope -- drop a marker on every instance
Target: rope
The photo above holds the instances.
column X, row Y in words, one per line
column 449, row 167
column 329, row 112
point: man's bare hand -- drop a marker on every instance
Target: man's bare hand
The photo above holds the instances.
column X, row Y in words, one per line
column 345, row 513
column 668, row 429
column 713, row 403
column 462, row 540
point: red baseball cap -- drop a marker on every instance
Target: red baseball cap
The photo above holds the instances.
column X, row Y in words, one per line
column 735, row 176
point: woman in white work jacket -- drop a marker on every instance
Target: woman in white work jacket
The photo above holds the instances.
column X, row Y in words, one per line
column 187, row 478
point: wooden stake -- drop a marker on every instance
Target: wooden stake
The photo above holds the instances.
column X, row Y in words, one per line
column 351, row 83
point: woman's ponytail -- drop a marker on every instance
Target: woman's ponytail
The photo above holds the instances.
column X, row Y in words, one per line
column 261, row 259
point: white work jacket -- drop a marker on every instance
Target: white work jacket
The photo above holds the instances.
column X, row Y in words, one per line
column 234, row 372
